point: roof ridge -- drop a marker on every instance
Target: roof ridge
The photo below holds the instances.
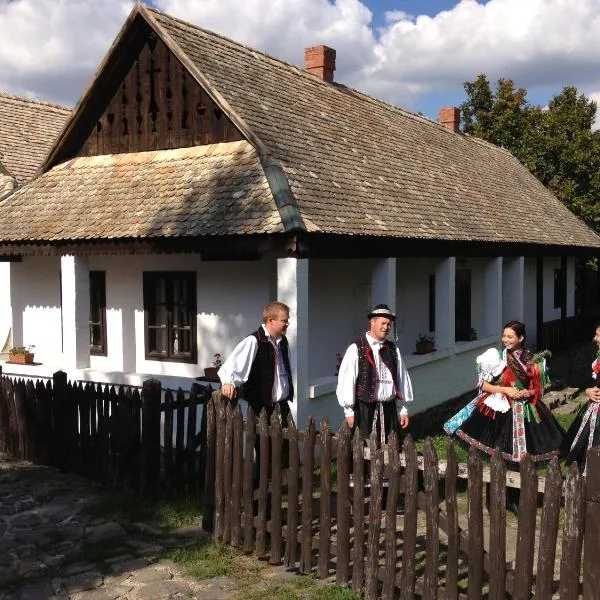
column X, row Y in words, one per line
column 34, row 101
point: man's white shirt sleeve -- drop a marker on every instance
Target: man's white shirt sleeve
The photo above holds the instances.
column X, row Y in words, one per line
column 347, row 380
column 405, row 384
column 236, row 369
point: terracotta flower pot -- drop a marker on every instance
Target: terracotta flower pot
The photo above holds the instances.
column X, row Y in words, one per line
column 424, row 347
column 211, row 372
column 24, row 358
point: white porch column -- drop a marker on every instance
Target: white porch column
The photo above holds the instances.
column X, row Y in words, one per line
column 445, row 300
column 75, row 282
column 493, row 296
column 513, row 289
column 292, row 289
column 383, row 283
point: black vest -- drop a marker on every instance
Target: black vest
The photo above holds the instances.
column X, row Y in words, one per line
column 258, row 390
column 366, row 382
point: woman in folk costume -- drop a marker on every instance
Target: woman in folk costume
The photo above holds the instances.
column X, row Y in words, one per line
column 585, row 429
column 508, row 412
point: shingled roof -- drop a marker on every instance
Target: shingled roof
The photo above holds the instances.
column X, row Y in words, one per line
column 356, row 166
column 218, row 189
column 360, row 166
column 28, row 129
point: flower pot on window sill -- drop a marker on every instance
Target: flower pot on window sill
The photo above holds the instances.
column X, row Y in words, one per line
column 211, row 372
column 25, row 358
column 424, row 347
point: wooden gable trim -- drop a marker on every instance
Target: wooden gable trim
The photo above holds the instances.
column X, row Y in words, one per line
column 158, row 106
column 108, row 77
column 205, row 83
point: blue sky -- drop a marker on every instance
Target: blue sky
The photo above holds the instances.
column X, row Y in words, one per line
column 414, row 53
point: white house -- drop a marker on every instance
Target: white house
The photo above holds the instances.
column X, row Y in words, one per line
column 27, row 130
column 197, row 179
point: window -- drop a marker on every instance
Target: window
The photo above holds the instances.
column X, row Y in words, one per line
column 170, row 315
column 462, row 314
column 98, row 313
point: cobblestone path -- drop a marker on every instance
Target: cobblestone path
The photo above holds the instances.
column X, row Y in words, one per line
column 48, row 542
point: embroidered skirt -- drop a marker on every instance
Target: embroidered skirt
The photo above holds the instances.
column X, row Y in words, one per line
column 523, row 429
column 582, row 435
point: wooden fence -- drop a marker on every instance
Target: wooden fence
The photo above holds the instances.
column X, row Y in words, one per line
column 144, row 439
column 398, row 529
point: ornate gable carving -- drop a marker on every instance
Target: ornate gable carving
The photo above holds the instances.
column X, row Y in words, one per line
column 158, row 106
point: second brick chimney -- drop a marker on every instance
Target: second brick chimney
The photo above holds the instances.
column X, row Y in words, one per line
column 450, row 117
column 320, row 61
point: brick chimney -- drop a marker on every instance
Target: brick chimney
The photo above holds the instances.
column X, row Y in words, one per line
column 320, row 61
column 450, row 117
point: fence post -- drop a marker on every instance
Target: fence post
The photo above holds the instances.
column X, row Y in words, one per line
column 151, row 390
column 60, row 421
column 591, row 536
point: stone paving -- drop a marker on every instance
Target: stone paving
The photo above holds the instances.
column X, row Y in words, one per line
column 49, row 546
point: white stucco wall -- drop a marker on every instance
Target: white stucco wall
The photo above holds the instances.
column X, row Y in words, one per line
column 5, row 310
column 36, row 306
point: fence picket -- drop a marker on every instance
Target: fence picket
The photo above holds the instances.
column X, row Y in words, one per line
column 249, row 481
column 180, row 456
column 263, row 483
column 526, row 530
column 407, row 586
column 228, row 472
column 393, row 473
column 343, row 505
column 497, row 546
column 452, row 530
column 291, row 543
column 572, row 535
column 219, row 471
column 374, row 532
column 307, row 484
column 475, row 508
column 190, row 443
column 432, row 518
column 168, row 442
column 358, row 511
column 237, row 475
column 325, row 501
column 549, row 532
column 591, row 539
column 276, row 471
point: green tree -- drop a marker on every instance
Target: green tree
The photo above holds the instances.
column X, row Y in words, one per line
column 557, row 144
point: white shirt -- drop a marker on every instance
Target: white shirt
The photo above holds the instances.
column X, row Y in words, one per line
column 348, row 374
column 236, row 369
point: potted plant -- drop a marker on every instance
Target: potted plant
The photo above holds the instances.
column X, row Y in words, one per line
column 21, row 355
column 425, row 343
column 212, row 372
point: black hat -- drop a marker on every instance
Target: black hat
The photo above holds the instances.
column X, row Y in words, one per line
column 381, row 310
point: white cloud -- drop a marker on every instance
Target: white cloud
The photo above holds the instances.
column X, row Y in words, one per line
column 50, row 48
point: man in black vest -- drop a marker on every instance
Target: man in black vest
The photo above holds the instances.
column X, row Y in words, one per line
column 261, row 363
column 373, row 384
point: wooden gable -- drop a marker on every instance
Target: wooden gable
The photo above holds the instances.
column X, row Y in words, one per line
column 158, row 106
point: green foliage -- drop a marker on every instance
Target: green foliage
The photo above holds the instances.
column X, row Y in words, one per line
column 557, row 143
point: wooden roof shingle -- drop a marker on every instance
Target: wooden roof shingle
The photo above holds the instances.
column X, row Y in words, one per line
column 218, row 189
column 28, row 129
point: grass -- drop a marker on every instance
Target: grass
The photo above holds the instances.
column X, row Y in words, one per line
column 164, row 514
